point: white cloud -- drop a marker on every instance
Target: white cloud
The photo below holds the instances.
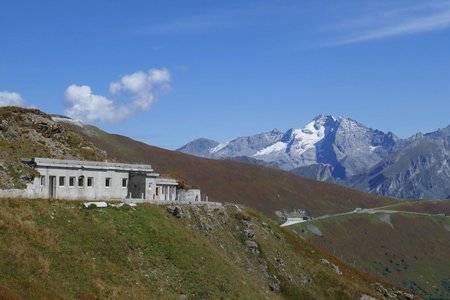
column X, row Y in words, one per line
column 8, row 98
column 87, row 106
column 142, row 87
column 399, row 22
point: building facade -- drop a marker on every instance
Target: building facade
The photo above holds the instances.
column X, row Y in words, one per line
column 89, row 180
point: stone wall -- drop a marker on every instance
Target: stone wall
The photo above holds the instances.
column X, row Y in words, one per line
column 192, row 195
column 12, row 193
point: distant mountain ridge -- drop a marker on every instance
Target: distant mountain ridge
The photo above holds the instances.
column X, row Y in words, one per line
column 344, row 151
column 346, row 145
column 419, row 168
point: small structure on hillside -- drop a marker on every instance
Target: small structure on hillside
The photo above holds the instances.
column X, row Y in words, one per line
column 91, row 180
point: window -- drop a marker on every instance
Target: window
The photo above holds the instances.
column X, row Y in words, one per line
column 71, row 181
column 81, row 181
column 90, row 181
column 107, row 182
column 124, row 182
column 157, row 191
column 62, row 180
column 43, row 180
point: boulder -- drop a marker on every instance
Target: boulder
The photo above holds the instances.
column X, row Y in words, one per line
column 274, row 285
column 252, row 246
column 175, row 211
column 250, row 233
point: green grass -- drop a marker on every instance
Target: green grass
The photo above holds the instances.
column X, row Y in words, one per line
column 55, row 249
column 414, row 254
column 119, row 253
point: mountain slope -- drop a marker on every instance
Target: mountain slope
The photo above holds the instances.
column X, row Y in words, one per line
column 57, row 250
column 346, row 152
column 346, row 146
column 419, row 169
column 411, row 250
column 265, row 189
column 200, row 147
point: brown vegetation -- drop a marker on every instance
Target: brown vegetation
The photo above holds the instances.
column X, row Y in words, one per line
column 265, row 189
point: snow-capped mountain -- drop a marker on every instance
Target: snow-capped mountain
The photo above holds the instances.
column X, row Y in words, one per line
column 246, row 146
column 344, row 145
column 345, row 151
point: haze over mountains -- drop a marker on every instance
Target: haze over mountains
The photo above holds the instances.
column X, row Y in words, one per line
column 344, row 151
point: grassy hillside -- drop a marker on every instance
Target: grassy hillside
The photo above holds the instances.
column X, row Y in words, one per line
column 407, row 249
column 26, row 133
column 52, row 256
column 262, row 188
column 56, row 250
column 430, row 207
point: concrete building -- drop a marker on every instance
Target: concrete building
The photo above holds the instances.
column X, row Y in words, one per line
column 89, row 180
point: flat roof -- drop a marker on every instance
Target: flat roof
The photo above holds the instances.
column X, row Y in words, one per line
column 86, row 164
column 166, row 181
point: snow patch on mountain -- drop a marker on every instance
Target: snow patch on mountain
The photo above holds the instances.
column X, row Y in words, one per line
column 347, row 146
column 308, row 136
column 219, row 147
column 278, row 146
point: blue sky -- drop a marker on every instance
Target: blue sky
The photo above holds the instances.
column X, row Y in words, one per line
column 166, row 72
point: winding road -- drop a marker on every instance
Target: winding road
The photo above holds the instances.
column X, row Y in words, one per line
column 381, row 209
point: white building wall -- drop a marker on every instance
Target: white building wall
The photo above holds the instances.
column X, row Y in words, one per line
column 143, row 184
column 97, row 191
column 166, row 189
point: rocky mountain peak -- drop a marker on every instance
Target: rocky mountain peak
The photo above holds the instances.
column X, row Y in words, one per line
column 328, row 140
column 200, row 146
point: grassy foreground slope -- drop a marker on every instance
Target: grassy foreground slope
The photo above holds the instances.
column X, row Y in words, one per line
column 56, row 250
column 262, row 188
column 407, row 249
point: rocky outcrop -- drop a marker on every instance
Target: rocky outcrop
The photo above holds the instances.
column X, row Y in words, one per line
column 390, row 293
column 334, row 267
column 175, row 211
column 26, row 133
column 285, row 214
column 419, row 168
column 199, row 147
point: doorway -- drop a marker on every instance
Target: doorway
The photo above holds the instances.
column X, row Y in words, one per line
column 52, row 187
column 136, row 185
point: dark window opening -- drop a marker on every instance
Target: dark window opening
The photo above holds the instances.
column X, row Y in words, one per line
column 62, row 180
column 90, row 181
column 108, row 182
